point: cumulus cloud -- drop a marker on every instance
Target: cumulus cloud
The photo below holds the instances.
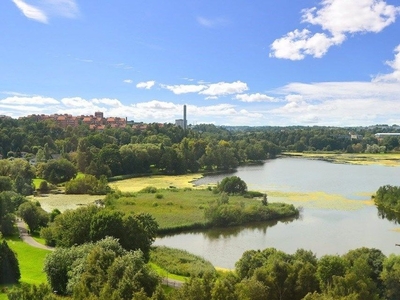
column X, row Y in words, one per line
column 338, row 18
column 146, row 84
column 254, row 98
column 184, row 88
column 128, row 81
column 225, row 88
column 41, row 10
column 395, row 65
column 24, row 100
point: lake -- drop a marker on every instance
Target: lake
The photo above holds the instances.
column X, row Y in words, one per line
column 337, row 214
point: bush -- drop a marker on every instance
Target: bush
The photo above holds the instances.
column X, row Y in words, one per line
column 159, row 196
column 149, row 189
column 180, row 262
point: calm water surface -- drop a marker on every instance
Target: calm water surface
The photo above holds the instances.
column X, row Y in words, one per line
column 324, row 231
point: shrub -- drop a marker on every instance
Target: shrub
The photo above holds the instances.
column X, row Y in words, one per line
column 149, row 189
column 159, row 196
column 155, row 204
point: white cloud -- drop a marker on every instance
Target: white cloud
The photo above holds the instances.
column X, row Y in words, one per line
column 107, row 101
column 214, row 22
column 225, row 88
column 184, row 88
column 255, row 98
column 30, row 11
column 128, row 81
column 395, row 65
column 64, row 8
column 42, row 9
column 76, row 102
column 146, row 85
column 23, row 100
column 338, row 18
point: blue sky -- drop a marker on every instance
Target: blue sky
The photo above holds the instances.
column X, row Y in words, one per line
column 282, row 62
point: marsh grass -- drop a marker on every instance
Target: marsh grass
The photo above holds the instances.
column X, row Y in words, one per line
column 320, row 200
column 159, row 181
column 386, row 159
column 180, row 262
column 63, row 202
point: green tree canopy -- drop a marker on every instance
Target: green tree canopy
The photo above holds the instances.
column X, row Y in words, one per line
column 233, row 185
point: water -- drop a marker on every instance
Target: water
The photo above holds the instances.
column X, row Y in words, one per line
column 322, row 230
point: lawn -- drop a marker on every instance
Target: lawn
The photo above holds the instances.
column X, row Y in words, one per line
column 30, row 260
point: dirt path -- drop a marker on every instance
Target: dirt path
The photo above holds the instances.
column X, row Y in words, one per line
column 27, row 238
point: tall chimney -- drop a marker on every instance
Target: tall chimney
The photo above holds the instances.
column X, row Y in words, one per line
column 184, row 118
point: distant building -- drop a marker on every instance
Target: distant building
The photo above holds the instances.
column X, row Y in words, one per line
column 96, row 122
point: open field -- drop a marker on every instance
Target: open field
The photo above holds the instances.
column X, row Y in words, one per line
column 161, row 182
column 386, row 159
column 175, row 208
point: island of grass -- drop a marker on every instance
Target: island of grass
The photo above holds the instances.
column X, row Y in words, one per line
column 180, row 209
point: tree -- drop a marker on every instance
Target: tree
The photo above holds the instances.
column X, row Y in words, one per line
column 328, row 267
column 391, row 277
column 31, row 292
column 102, row 270
column 57, row 171
column 9, row 267
column 5, row 183
column 33, row 215
column 232, row 185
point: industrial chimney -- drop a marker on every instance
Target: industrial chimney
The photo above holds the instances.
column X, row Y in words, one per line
column 184, row 118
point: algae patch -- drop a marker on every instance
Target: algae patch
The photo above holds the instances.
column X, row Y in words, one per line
column 320, row 200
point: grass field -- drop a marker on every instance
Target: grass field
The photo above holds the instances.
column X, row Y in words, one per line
column 386, row 159
column 176, row 208
column 30, row 259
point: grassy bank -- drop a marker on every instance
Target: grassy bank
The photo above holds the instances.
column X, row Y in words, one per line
column 184, row 209
column 386, row 159
column 179, row 262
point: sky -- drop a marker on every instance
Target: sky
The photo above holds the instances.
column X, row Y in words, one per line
column 254, row 63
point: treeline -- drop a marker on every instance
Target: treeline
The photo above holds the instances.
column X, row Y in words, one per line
column 169, row 149
column 105, row 271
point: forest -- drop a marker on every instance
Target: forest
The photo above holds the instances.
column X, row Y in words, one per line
column 104, row 253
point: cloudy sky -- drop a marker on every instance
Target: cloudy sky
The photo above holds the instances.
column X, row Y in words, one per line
column 281, row 62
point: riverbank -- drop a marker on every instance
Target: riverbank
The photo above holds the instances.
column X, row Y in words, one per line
column 385, row 159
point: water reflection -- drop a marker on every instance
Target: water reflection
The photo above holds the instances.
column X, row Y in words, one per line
column 234, row 231
column 388, row 214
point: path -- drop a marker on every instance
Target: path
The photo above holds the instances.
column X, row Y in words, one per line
column 27, row 238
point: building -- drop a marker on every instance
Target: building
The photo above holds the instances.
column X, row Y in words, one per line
column 96, row 122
